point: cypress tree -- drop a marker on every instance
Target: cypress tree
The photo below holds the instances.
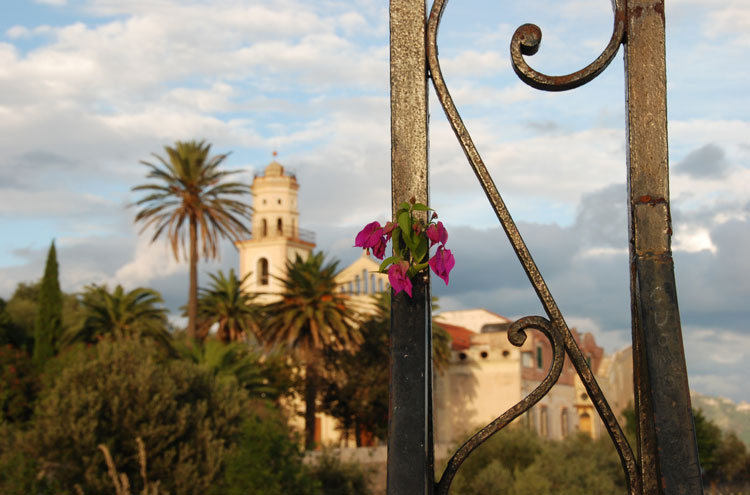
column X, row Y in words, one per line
column 48, row 326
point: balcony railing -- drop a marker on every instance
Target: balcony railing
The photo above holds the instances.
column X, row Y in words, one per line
column 290, row 233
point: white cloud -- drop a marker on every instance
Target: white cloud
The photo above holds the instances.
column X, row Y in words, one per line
column 150, row 261
column 692, row 240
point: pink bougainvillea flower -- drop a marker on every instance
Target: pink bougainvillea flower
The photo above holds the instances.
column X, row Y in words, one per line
column 442, row 262
column 388, row 230
column 379, row 249
column 371, row 237
column 437, row 233
column 398, row 278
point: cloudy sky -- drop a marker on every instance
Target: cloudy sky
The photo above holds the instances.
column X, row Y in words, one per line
column 90, row 87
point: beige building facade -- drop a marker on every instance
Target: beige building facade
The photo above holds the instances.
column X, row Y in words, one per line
column 488, row 375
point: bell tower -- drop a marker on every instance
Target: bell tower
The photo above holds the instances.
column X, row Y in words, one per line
column 276, row 237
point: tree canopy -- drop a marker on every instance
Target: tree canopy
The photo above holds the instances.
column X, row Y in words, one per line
column 310, row 317
column 48, row 326
column 139, row 312
column 227, row 306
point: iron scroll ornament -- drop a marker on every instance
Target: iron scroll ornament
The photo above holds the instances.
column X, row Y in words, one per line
column 526, row 41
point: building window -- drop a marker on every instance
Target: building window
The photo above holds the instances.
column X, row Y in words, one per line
column 543, row 423
column 380, row 285
column 373, row 287
column 539, row 357
column 527, row 361
column 357, row 284
column 278, row 201
column 264, row 228
column 262, row 271
column 351, row 287
column 564, row 426
column 364, row 282
column 279, row 226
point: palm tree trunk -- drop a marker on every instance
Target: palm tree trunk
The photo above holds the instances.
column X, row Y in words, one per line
column 311, row 394
column 193, row 289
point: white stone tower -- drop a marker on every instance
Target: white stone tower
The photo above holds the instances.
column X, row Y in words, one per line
column 276, row 236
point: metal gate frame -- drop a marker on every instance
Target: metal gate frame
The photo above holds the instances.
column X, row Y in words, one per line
column 667, row 461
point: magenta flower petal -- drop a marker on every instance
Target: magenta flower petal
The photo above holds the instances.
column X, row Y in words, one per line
column 398, row 279
column 370, row 236
column 442, row 233
column 442, row 262
column 379, row 249
column 436, row 233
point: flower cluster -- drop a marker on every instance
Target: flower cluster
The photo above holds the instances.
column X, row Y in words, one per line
column 412, row 239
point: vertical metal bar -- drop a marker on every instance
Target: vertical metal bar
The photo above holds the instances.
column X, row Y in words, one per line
column 410, row 470
column 668, row 452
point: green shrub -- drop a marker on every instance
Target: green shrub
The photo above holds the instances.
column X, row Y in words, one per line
column 19, row 384
column 267, row 460
column 517, row 462
column 571, row 467
column 337, row 477
column 117, row 391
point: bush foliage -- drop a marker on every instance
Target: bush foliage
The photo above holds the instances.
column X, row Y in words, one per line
column 517, row 462
column 117, row 391
column 267, row 460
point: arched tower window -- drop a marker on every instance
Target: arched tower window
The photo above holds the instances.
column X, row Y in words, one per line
column 262, row 271
column 264, row 228
column 279, row 227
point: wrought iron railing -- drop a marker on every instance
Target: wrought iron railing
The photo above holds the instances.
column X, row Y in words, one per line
column 667, row 461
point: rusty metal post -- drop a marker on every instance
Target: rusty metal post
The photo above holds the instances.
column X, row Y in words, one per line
column 666, row 435
column 410, row 464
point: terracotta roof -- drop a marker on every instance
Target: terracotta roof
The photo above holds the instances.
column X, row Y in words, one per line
column 460, row 336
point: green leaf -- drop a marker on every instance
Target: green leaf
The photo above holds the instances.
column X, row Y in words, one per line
column 421, row 249
column 404, row 223
column 421, row 207
column 403, row 206
column 420, row 266
column 388, row 261
column 396, row 238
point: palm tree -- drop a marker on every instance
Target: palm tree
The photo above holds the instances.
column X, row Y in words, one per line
column 119, row 313
column 310, row 317
column 229, row 307
column 190, row 203
column 264, row 376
